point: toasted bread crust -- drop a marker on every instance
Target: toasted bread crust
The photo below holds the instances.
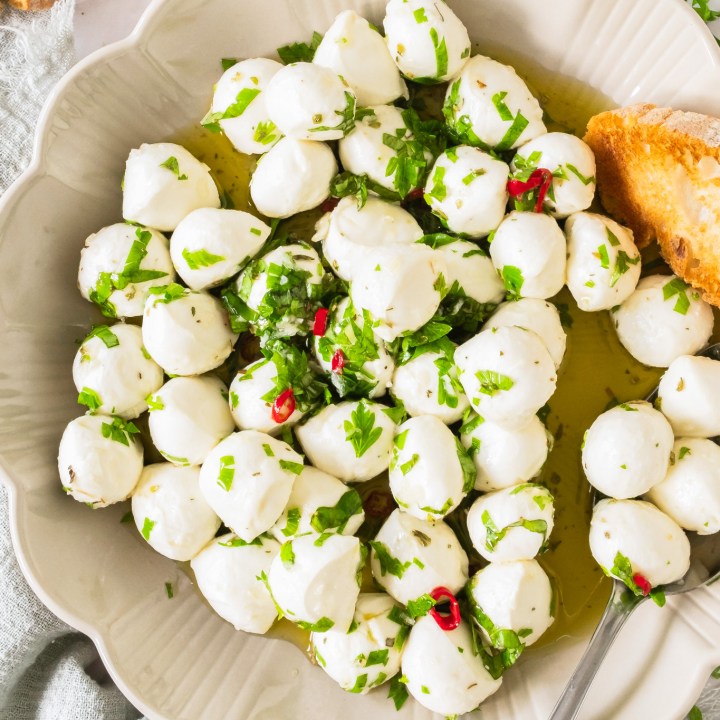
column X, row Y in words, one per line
column 658, row 171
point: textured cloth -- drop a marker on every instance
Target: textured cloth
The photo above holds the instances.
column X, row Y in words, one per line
column 48, row 671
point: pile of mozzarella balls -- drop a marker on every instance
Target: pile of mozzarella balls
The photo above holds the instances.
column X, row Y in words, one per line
column 355, row 327
column 664, row 455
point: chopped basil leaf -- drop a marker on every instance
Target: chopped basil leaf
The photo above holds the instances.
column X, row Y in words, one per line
column 360, row 430
column 200, row 258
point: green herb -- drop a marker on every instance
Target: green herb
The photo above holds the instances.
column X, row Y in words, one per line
column 585, row 180
column 239, row 542
column 397, row 692
column 677, row 287
column 287, row 554
column 406, row 467
column 119, row 430
column 492, row 382
column 420, row 606
column 91, row 399
column 337, row 516
column 126, row 518
column 360, row 683
column 174, row 167
column 154, row 403
column 516, row 129
column 513, row 280
column 175, row 459
column 293, row 467
column 227, row 472
column 507, row 641
column 346, row 115
column 702, row 8
column 109, row 338
column 684, row 451
column 169, row 590
column 168, row 293
column 147, row 528
column 622, row 570
column 377, row 657
column 360, row 430
column 227, row 63
column 300, row 52
column 441, row 53
column 388, row 564
column 438, row 191
column 495, row 535
column 200, row 258
column 622, row 264
column 479, row 172
column 293, row 522
column 420, row 16
column 467, row 466
column 590, row 284
column 604, row 257
column 695, row 712
column 265, row 132
column 211, row 121
column 322, row 625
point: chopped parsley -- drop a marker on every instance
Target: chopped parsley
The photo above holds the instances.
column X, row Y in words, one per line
column 211, row 121
column 346, row 115
column 227, row 472
column 104, row 333
column 266, row 132
column 513, row 280
column 377, row 657
column 168, row 293
column 147, row 528
column 388, row 564
column 420, row 16
column 478, row 172
column 438, row 191
column 293, row 522
column 119, row 430
column 360, row 430
column 507, row 641
column 293, row 467
column 287, row 554
column 174, row 167
column 169, row 590
column 677, row 288
column 397, row 691
column 337, row 516
column 441, row 53
column 516, row 129
column 622, row 570
column 494, row 535
column 322, row 625
column 154, row 403
column 300, row 52
column 91, row 399
column 345, row 184
column 201, row 258
column 492, row 382
column 420, row 606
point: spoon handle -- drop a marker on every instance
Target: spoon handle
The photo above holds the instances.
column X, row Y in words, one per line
column 617, row 611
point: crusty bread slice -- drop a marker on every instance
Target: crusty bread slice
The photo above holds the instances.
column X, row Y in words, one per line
column 658, row 172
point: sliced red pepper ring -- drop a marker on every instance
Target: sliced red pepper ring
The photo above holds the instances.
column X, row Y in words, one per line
column 284, row 406
column 540, row 178
column 320, row 322
column 338, row 362
column 642, row 583
column 450, row 621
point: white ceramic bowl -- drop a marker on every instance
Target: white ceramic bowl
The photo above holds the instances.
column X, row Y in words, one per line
column 175, row 658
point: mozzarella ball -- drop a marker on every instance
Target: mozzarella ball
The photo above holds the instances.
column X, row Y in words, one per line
column 515, row 596
column 429, row 43
column 247, row 479
column 428, row 385
column 253, row 392
column 364, row 152
column 663, row 319
column 689, row 396
column 100, row 460
column 368, row 654
column 186, row 333
column 113, row 363
column 505, row 456
column 292, row 177
column 211, row 245
column 492, row 105
column 472, row 270
column 113, row 264
column 297, row 265
column 443, row 672
column 358, row 53
column 411, row 557
column 171, row 513
column 189, row 416
column 314, row 580
column 400, row 287
column 349, row 233
column 573, row 166
column 511, row 524
column 228, row 572
column 163, row 183
column 529, row 251
column 466, row 189
column 627, row 449
column 319, row 503
column 654, row 544
column 507, row 374
column 603, row 264
column 240, row 94
column 310, row 102
column 368, row 366
column 343, row 440
column 690, row 492
column 539, row 316
column 430, row 473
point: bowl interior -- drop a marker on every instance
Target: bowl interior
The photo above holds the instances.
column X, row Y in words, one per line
column 175, row 658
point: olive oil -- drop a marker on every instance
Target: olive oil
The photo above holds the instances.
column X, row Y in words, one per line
column 597, row 371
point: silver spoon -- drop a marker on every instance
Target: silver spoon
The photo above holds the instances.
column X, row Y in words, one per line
column 704, row 569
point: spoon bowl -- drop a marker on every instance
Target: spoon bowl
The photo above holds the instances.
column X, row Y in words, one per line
column 704, row 570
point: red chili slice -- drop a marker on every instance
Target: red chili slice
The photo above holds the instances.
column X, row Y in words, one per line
column 445, row 622
column 284, row 406
column 338, row 362
column 540, row 178
column 643, row 583
column 320, row 323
